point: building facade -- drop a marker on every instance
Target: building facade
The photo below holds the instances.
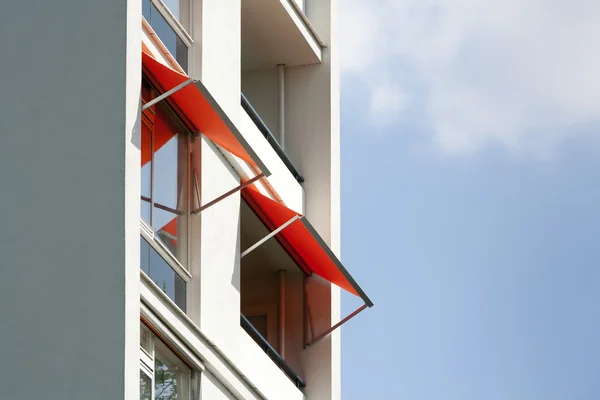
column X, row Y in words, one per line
column 170, row 176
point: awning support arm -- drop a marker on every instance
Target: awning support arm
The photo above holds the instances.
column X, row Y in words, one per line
column 167, row 94
column 270, row 235
column 334, row 327
column 229, row 193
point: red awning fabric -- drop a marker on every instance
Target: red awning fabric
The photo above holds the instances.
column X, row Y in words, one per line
column 201, row 109
column 312, row 252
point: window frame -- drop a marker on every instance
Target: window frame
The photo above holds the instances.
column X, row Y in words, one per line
column 147, row 230
column 162, row 250
column 180, row 267
column 178, row 28
column 147, row 362
column 164, row 333
column 174, row 22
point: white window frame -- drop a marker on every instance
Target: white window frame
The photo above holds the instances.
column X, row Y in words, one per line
column 174, row 22
column 147, row 360
column 147, row 233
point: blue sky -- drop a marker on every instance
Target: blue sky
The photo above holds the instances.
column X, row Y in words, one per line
column 470, row 198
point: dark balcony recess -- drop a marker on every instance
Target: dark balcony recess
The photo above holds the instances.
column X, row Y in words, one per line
column 271, row 352
column 270, row 138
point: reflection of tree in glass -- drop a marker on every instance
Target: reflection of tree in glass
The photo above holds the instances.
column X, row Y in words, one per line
column 165, row 381
column 145, row 387
column 162, row 285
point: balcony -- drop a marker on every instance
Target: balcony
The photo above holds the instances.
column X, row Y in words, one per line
column 277, row 32
column 272, row 298
column 285, row 178
column 270, row 351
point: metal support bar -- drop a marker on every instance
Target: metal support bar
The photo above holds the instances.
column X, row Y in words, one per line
column 281, row 79
column 270, row 235
column 281, row 319
column 328, row 331
column 160, row 206
column 225, row 195
column 167, row 94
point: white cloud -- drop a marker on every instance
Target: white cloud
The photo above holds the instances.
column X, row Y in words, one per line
column 522, row 73
column 387, row 102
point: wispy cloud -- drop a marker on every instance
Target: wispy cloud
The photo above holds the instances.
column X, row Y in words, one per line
column 522, row 73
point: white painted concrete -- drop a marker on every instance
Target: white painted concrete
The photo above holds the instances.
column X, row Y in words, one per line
column 203, row 346
column 261, row 370
column 216, row 31
column 313, row 137
column 213, row 389
column 69, row 169
column 281, row 179
column 219, row 252
column 273, row 33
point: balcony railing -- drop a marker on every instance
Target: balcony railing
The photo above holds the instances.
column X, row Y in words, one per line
column 270, row 138
column 271, row 352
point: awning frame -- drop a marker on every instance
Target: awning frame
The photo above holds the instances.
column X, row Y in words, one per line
column 264, row 171
column 270, row 235
column 215, row 106
column 367, row 303
column 229, row 193
column 328, row 330
column 167, row 94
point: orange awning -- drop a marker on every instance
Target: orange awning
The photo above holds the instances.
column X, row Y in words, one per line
column 307, row 248
column 201, row 109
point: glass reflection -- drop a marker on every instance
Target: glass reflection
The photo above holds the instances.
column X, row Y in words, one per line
column 145, row 386
column 162, row 274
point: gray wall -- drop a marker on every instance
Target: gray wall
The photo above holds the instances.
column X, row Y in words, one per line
column 69, row 179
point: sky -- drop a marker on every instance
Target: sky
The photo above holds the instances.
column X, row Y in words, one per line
column 471, row 198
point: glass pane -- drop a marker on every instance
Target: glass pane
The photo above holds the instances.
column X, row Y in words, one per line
column 170, row 183
column 163, row 275
column 181, row 55
column 146, row 154
column 145, row 386
column 169, row 38
column 145, row 338
column 173, row 6
column 146, row 4
column 171, row 375
column 144, row 256
column 164, row 31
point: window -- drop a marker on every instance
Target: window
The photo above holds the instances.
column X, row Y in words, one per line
column 163, row 375
column 163, row 274
column 168, row 20
column 165, row 196
column 164, row 169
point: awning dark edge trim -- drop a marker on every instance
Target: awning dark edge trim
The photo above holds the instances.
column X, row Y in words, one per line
column 231, row 126
column 337, row 262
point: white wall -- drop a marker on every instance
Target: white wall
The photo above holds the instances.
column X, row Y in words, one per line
column 216, row 31
column 281, row 179
column 211, row 388
column 216, row 62
column 219, row 252
column 263, row 372
column 69, row 172
column 313, row 138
